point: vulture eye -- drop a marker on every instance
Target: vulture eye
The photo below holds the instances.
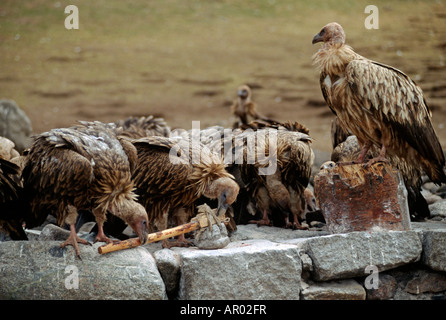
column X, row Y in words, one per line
column 322, row 32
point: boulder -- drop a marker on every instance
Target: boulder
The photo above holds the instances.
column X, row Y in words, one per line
column 246, row 270
column 342, row 256
column 434, row 252
column 169, row 267
column 431, row 282
column 438, row 209
column 385, row 290
column 15, row 125
column 41, row 270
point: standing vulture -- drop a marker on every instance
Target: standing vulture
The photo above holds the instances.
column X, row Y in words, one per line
column 172, row 174
column 378, row 104
column 244, row 109
column 279, row 194
column 82, row 167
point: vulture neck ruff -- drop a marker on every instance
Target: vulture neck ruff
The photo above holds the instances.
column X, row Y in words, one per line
column 333, row 58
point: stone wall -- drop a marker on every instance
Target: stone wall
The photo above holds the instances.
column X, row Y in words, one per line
column 259, row 263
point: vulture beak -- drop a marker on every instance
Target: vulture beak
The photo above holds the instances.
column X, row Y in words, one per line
column 142, row 230
column 242, row 94
column 317, row 38
column 222, row 205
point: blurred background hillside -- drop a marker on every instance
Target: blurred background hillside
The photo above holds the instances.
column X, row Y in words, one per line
column 183, row 60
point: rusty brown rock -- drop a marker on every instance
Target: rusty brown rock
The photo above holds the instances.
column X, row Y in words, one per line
column 359, row 198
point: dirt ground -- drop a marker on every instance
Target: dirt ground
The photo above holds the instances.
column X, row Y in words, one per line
column 184, row 61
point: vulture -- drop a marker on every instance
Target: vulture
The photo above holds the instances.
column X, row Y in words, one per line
column 279, row 194
column 12, row 208
column 172, row 174
column 377, row 103
column 129, row 128
column 84, row 167
column 244, row 110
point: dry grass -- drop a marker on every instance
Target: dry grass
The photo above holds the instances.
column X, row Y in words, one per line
column 183, row 60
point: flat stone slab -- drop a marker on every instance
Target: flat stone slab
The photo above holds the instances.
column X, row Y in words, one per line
column 246, row 270
column 334, row 290
column 342, row 256
column 41, row 270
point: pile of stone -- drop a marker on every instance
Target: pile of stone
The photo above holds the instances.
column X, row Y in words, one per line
column 259, row 263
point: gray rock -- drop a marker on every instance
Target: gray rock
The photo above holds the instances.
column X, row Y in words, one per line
column 42, row 270
column 432, row 282
column 342, row 256
column 15, row 125
column 333, row 290
column 434, row 252
column 253, row 269
column 386, row 289
column 252, row 232
column 52, row 232
column 169, row 267
column 215, row 237
column 438, row 209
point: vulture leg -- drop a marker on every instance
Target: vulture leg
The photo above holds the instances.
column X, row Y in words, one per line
column 380, row 158
column 365, row 148
column 264, row 221
column 73, row 238
column 180, row 217
column 100, row 219
column 298, row 203
column 296, row 224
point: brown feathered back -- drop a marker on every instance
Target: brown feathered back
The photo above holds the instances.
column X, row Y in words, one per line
column 173, row 173
column 293, row 157
column 140, row 127
column 84, row 166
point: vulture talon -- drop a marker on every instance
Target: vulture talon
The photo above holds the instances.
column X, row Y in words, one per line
column 74, row 240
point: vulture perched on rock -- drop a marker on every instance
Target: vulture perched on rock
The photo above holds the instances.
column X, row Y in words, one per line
column 280, row 192
column 82, row 167
column 244, row 109
column 172, row 174
column 378, row 104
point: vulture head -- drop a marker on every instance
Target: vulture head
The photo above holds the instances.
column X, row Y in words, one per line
column 134, row 215
column 225, row 190
column 331, row 33
column 244, row 92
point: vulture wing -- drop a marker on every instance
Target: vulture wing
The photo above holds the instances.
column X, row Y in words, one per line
column 397, row 103
column 61, row 174
column 158, row 179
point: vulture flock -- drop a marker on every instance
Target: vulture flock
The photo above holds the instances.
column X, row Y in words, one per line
column 138, row 173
